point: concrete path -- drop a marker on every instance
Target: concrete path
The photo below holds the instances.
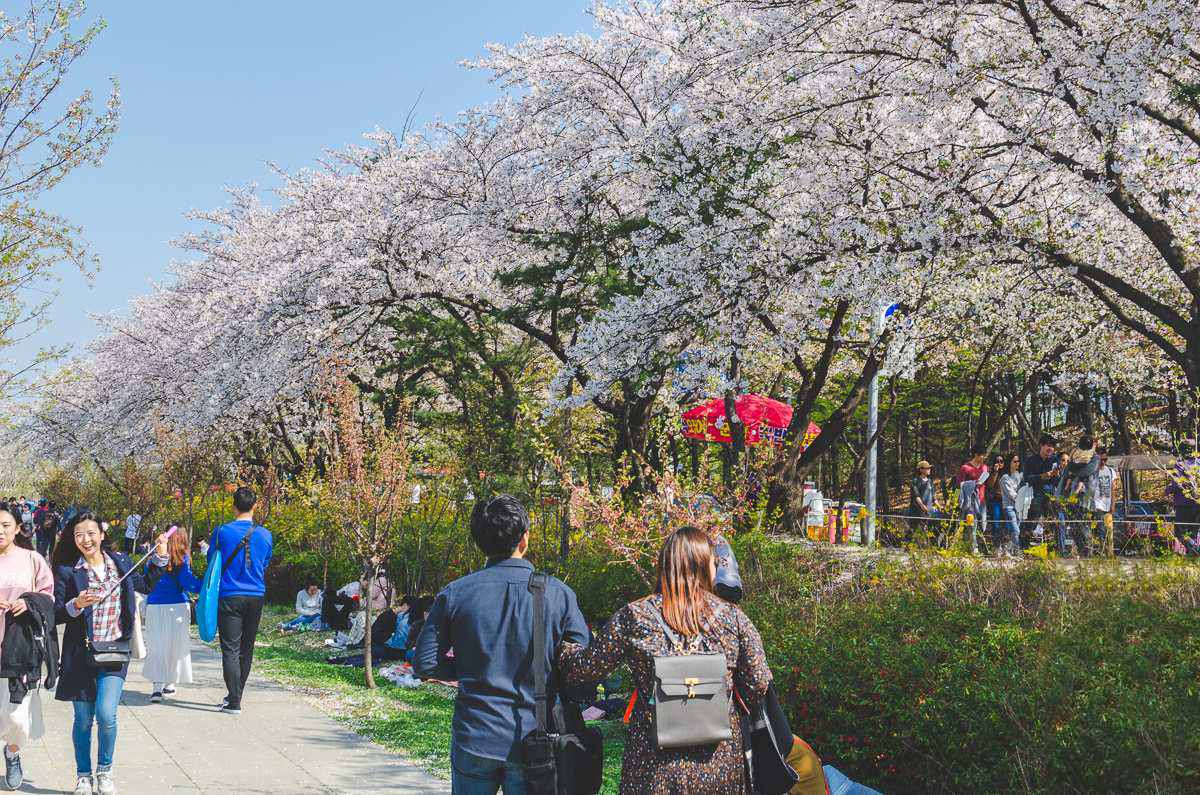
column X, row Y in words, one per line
column 183, row 746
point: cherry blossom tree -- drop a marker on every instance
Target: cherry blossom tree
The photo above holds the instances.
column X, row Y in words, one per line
column 702, row 191
column 43, row 138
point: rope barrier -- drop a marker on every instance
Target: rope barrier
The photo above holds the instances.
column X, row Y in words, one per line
column 1045, row 518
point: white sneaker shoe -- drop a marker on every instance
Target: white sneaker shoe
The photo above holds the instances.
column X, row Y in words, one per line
column 83, row 786
column 105, row 784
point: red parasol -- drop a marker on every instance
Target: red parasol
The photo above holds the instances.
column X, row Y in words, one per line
column 765, row 420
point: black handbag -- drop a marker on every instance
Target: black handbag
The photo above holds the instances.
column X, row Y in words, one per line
column 572, row 761
column 769, row 744
column 108, row 655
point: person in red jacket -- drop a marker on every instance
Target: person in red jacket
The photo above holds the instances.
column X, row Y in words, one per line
column 975, row 468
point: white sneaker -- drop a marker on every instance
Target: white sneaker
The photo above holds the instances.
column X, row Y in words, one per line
column 83, row 786
column 105, row 784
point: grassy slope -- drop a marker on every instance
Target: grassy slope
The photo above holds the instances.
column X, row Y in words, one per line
column 413, row 723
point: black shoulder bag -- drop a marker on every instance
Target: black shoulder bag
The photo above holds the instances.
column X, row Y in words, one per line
column 568, row 763
column 768, row 746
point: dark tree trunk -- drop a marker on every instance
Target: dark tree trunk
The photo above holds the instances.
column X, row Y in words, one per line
column 737, row 429
column 835, row 482
column 1173, row 417
column 372, row 575
column 1035, row 407
column 787, row 488
column 564, row 538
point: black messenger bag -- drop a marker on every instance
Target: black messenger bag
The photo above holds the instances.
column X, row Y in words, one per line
column 568, row 763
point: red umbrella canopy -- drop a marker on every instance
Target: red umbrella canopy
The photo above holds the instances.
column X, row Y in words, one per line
column 765, row 420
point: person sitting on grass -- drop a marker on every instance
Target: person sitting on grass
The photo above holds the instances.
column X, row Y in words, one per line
column 308, row 606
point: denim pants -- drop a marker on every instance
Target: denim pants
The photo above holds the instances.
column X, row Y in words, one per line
column 996, row 523
column 477, row 775
column 302, row 621
column 839, row 784
column 1014, row 526
column 103, row 712
column 1062, row 532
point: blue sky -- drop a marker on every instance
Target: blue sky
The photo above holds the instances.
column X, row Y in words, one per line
column 212, row 91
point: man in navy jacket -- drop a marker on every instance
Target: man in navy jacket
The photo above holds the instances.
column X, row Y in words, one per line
column 487, row 619
column 1040, row 473
column 245, row 550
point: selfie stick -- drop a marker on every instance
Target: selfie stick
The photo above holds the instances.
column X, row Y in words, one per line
column 137, row 565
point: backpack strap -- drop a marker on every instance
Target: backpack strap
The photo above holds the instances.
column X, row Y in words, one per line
column 243, row 544
column 537, row 587
column 672, row 638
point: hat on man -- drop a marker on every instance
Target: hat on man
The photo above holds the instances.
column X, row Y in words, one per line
column 923, row 465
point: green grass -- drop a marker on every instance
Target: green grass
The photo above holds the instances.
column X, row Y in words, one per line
column 413, row 723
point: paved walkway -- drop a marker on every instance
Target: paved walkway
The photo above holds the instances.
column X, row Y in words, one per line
column 183, row 746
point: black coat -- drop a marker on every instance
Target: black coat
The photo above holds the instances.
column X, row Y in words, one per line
column 76, row 675
column 30, row 643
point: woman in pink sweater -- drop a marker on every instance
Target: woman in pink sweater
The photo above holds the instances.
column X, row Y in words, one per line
column 21, row 571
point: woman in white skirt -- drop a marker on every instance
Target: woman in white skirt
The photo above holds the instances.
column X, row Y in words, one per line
column 22, row 571
column 168, row 621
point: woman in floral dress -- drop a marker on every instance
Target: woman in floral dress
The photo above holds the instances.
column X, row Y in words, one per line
column 684, row 598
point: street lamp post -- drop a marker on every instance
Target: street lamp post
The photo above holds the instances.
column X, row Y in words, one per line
column 873, row 431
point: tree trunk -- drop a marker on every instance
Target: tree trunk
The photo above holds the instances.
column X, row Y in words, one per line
column 1173, row 417
column 368, row 666
column 632, row 416
column 787, row 488
column 737, row 429
column 1035, row 408
column 1085, row 408
column 1124, row 437
column 564, row 540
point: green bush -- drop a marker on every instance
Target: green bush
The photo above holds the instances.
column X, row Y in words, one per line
column 956, row 677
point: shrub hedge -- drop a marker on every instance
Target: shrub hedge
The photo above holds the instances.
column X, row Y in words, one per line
column 957, row 677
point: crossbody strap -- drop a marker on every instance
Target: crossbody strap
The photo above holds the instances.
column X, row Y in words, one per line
column 243, row 544
column 537, row 586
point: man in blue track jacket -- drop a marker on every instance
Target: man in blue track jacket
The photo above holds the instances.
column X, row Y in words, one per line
column 245, row 550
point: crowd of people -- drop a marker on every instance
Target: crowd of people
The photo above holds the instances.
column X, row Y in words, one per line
column 1010, row 503
column 77, row 579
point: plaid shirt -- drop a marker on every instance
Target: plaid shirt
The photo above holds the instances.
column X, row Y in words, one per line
column 106, row 614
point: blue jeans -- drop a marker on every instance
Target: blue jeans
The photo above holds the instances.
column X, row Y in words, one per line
column 839, row 784
column 103, row 711
column 1014, row 525
column 995, row 516
column 302, row 621
column 477, row 775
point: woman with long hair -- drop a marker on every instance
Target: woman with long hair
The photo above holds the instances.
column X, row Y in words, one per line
column 94, row 596
column 168, row 618
column 1010, row 486
column 22, row 572
column 635, row 636
column 995, row 505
